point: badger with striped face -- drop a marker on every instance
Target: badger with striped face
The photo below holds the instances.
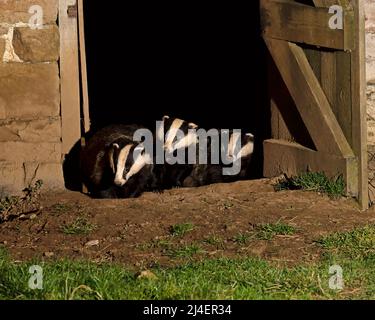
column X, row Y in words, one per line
column 176, row 134
column 132, row 168
column 170, row 131
column 99, row 162
column 243, row 153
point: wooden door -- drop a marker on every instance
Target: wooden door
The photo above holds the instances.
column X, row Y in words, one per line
column 317, row 90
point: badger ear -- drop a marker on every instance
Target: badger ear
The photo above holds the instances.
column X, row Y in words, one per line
column 192, row 125
column 250, row 137
column 165, row 118
column 115, row 146
column 111, row 160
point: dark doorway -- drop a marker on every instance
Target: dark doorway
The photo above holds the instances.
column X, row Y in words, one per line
column 202, row 62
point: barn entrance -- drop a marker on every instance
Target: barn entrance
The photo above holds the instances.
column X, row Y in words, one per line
column 211, row 66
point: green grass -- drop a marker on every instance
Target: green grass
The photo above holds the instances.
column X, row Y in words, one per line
column 80, row 225
column 241, row 238
column 172, row 250
column 185, row 251
column 359, row 243
column 214, row 240
column 270, row 230
column 179, row 230
column 7, row 203
column 314, row 181
column 211, row 279
column 156, row 244
column 247, row 278
column 62, row 207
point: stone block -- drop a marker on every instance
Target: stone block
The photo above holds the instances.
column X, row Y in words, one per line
column 29, row 91
column 37, row 45
column 32, row 152
column 44, row 130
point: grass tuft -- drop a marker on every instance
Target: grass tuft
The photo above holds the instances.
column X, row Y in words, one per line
column 241, row 238
column 179, row 230
column 270, row 230
column 61, row 207
column 214, row 240
column 79, row 226
column 314, row 181
column 186, row 251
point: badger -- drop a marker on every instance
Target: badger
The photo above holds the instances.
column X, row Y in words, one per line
column 171, row 176
column 244, row 154
column 168, row 133
column 107, row 166
column 205, row 174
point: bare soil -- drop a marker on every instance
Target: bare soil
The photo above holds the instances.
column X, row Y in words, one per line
column 136, row 232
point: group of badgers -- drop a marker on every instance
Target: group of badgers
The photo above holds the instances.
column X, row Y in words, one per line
column 110, row 168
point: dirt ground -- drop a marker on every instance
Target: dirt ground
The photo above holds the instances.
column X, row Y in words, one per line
column 136, row 232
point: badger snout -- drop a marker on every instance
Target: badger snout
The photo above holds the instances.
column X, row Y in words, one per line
column 168, row 148
column 120, row 182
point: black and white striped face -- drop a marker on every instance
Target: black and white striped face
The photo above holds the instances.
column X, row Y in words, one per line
column 247, row 145
column 177, row 133
column 127, row 161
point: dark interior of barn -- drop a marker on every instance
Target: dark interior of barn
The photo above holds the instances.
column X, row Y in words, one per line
column 200, row 62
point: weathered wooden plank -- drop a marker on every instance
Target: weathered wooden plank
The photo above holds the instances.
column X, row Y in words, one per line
column 278, row 96
column 359, row 124
column 283, row 157
column 343, row 107
column 313, row 55
column 83, row 64
column 300, row 23
column 309, row 97
column 69, row 74
column 328, row 78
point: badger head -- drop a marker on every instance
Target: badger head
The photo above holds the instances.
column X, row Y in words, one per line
column 246, row 146
column 178, row 134
column 127, row 160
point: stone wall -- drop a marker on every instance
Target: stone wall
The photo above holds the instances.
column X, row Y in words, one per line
column 370, row 68
column 30, row 124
